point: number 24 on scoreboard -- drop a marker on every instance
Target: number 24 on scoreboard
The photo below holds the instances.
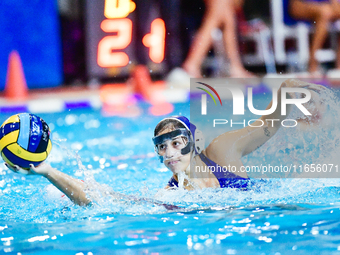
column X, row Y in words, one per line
column 116, row 12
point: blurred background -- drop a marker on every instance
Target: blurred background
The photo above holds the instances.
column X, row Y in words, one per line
column 77, row 42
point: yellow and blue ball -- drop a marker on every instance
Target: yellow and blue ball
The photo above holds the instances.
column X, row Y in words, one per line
column 24, row 140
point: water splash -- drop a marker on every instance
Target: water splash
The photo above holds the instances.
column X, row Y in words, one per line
column 117, row 191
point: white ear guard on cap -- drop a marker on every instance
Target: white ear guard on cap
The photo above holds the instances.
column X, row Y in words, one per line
column 199, row 141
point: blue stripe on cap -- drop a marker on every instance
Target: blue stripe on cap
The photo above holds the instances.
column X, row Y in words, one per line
column 191, row 127
column 24, row 133
column 188, row 124
column 36, row 132
column 184, row 120
column 8, row 128
column 18, row 161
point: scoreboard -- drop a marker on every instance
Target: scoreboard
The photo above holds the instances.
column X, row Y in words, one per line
column 111, row 38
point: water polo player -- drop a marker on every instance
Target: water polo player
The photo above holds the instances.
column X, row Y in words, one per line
column 179, row 144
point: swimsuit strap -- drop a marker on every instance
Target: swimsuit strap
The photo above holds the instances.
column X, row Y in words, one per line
column 219, row 171
column 172, row 182
column 224, row 177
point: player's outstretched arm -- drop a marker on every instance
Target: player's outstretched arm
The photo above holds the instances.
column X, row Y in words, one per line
column 253, row 138
column 71, row 187
column 237, row 143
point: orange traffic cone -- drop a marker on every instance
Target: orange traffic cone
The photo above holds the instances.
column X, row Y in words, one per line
column 16, row 87
column 152, row 92
column 142, row 81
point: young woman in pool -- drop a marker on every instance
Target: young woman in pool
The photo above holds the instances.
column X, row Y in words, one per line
column 179, row 144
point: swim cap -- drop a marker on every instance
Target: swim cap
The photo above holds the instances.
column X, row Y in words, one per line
column 194, row 135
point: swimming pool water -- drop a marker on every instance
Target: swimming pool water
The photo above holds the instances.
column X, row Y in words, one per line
column 285, row 216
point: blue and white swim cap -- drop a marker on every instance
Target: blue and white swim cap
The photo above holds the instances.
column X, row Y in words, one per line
column 195, row 136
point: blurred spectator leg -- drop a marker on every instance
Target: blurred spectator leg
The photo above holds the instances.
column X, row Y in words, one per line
column 319, row 13
column 231, row 42
column 218, row 13
column 202, row 41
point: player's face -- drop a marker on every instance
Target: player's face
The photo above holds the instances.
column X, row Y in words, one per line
column 171, row 152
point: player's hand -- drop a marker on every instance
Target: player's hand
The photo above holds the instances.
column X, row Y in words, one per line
column 295, row 83
column 18, row 169
column 42, row 169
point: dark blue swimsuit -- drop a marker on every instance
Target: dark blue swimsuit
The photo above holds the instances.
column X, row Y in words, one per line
column 226, row 179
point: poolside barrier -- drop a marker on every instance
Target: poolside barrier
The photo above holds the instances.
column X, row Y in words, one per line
column 16, row 86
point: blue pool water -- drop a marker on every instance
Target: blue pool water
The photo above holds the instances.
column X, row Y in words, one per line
column 284, row 216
